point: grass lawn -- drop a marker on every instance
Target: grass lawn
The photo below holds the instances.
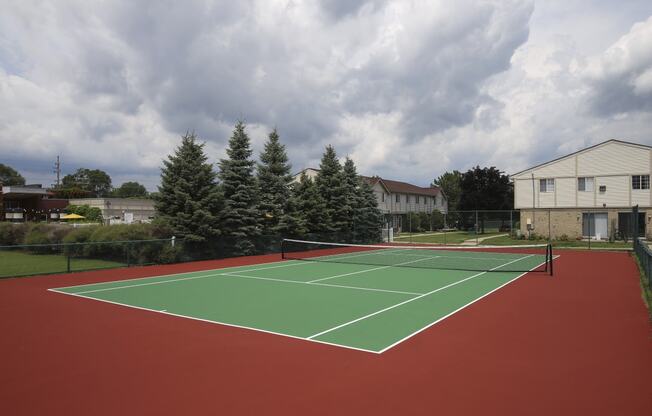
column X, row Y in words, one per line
column 507, row 240
column 17, row 263
column 453, row 237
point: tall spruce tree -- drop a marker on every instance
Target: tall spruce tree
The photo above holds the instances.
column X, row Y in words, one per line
column 330, row 185
column 351, row 189
column 311, row 206
column 274, row 181
column 189, row 200
column 240, row 216
column 292, row 223
column 369, row 219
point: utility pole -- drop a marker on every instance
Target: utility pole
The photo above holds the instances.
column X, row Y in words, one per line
column 57, row 170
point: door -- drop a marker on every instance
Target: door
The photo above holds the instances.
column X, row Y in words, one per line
column 595, row 225
column 625, row 224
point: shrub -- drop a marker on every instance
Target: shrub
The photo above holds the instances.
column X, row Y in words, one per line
column 90, row 214
column 563, row 237
column 12, row 234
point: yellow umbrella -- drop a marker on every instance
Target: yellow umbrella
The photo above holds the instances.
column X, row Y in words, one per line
column 72, row 217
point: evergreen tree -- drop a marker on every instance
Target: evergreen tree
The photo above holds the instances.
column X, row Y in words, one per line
column 369, row 219
column 189, row 200
column 240, row 216
column 351, row 189
column 274, row 181
column 292, row 223
column 311, row 206
column 330, row 185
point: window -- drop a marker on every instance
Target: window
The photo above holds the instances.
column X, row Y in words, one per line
column 603, row 189
column 546, row 185
column 640, row 181
column 398, row 198
column 382, row 197
column 418, row 198
column 585, row 184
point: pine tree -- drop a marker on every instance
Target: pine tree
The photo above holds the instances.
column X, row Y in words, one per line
column 351, row 189
column 292, row 223
column 330, row 185
column 311, row 206
column 189, row 200
column 240, row 216
column 369, row 219
column 274, row 181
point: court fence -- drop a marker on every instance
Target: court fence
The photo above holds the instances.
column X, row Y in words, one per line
column 454, row 227
column 36, row 259
column 644, row 255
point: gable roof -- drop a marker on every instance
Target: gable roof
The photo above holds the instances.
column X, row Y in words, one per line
column 399, row 187
column 394, row 186
column 586, row 149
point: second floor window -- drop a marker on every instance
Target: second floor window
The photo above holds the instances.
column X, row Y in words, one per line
column 382, row 197
column 418, row 198
column 546, row 185
column 398, row 198
column 585, row 184
column 640, row 181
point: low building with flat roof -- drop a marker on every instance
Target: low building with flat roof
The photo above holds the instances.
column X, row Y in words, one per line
column 29, row 203
column 125, row 210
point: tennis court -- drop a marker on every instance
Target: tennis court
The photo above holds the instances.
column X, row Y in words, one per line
column 368, row 298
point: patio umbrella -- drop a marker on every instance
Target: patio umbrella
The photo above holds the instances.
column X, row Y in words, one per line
column 72, row 217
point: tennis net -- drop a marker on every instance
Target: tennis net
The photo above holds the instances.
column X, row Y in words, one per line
column 521, row 258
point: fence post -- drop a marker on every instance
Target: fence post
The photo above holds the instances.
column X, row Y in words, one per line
column 477, row 226
column 172, row 240
column 511, row 223
column 68, row 261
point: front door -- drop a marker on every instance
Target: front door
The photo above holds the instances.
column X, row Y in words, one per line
column 595, row 225
column 625, row 224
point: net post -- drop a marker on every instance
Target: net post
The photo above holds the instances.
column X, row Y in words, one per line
column 283, row 249
column 550, row 258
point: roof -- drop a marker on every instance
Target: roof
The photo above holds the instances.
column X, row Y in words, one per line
column 582, row 151
column 394, row 186
column 24, row 190
column 399, row 187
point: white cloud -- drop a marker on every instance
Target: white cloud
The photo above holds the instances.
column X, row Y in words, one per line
column 407, row 88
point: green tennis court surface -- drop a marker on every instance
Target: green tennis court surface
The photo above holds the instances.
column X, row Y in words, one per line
column 369, row 301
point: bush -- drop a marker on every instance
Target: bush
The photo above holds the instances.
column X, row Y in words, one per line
column 90, row 214
column 437, row 220
column 563, row 237
column 12, row 234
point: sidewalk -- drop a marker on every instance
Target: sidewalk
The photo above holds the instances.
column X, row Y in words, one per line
column 475, row 241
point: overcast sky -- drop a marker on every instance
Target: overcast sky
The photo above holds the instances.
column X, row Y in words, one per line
column 408, row 89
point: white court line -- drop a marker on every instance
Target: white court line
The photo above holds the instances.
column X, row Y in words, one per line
column 215, row 322
column 412, row 300
column 322, row 284
column 458, row 309
column 278, row 333
column 295, row 263
column 370, row 270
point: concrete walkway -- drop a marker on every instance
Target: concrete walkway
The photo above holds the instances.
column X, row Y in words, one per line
column 474, row 241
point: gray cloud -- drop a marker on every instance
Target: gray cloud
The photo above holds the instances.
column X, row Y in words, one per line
column 408, row 89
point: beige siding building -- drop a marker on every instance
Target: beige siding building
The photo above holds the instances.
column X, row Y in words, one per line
column 589, row 192
column 396, row 198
